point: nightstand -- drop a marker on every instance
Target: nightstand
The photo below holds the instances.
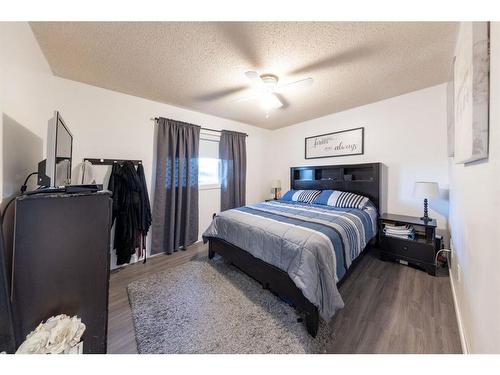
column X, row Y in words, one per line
column 419, row 251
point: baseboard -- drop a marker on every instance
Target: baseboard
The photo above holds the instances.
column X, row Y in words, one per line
column 121, row 266
column 461, row 330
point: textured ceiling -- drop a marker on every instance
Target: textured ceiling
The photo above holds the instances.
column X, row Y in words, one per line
column 200, row 65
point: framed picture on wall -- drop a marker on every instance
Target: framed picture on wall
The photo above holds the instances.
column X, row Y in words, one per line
column 342, row 143
column 450, row 112
column 471, row 92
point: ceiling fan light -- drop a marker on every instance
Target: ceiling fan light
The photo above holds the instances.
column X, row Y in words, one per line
column 269, row 81
column 270, row 101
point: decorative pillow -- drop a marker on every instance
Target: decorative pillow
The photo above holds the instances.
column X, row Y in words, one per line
column 288, row 195
column 323, row 197
column 305, row 196
column 341, row 199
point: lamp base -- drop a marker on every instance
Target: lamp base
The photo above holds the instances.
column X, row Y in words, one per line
column 426, row 217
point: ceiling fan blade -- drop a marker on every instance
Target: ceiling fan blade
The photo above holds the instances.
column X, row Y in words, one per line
column 220, row 94
column 245, row 98
column 254, row 77
column 348, row 56
column 306, row 82
column 270, row 101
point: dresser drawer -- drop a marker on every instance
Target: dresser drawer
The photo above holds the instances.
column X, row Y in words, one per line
column 420, row 251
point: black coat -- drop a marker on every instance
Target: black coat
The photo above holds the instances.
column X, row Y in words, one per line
column 131, row 210
column 145, row 208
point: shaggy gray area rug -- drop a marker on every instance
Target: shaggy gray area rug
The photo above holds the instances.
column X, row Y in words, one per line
column 208, row 306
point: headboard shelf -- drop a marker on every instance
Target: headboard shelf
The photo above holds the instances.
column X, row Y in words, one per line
column 363, row 179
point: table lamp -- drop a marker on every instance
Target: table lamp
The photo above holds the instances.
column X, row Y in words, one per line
column 276, row 185
column 426, row 190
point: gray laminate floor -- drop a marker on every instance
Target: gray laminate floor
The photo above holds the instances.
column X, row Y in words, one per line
column 389, row 308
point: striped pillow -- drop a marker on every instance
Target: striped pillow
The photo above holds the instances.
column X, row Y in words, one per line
column 306, row 196
column 344, row 199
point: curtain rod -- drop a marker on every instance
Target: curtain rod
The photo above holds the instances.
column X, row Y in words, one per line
column 212, row 130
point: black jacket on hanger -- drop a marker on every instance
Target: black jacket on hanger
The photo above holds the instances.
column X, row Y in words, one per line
column 125, row 184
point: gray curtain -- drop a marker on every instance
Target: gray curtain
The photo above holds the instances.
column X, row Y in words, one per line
column 175, row 207
column 233, row 155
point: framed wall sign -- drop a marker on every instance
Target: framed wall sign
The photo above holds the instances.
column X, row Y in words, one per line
column 471, row 92
column 343, row 143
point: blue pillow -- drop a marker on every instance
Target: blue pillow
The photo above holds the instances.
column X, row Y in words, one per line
column 288, row 195
column 323, row 197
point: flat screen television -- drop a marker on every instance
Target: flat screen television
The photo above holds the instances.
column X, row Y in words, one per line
column 55, row 171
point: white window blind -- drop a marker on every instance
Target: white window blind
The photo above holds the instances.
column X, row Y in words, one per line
column 209, row 163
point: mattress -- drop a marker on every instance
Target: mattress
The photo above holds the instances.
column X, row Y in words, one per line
column 314, row 244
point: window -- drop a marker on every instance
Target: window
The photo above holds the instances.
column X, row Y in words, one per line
column 208, row 172
column 209, row 163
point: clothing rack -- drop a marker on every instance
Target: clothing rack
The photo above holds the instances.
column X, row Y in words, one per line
column 212, row 130
column 96, row 161
column 110, row 161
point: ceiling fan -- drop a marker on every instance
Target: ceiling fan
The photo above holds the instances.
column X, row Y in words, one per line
column 267, row 89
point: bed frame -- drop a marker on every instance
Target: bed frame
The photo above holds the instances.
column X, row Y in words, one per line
column 361, row 179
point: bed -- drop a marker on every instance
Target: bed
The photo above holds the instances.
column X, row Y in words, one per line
column 302, row 251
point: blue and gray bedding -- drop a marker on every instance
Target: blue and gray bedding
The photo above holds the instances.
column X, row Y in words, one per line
column 314, row 243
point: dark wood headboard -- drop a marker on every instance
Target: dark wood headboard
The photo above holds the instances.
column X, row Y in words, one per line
column 363, row 179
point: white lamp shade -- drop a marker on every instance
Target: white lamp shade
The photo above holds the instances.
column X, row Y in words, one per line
column 426, row 190
column 276, row 184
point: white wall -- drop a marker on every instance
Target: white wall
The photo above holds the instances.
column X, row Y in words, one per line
column 104, row 123
column 475, row 223
column 26, row 103
column 26, row 92
column 406, row 133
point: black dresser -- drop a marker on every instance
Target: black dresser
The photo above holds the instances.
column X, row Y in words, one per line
column 419, row 251
column 61, row 263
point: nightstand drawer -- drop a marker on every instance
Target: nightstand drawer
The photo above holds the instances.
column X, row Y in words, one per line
column 414, row 250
